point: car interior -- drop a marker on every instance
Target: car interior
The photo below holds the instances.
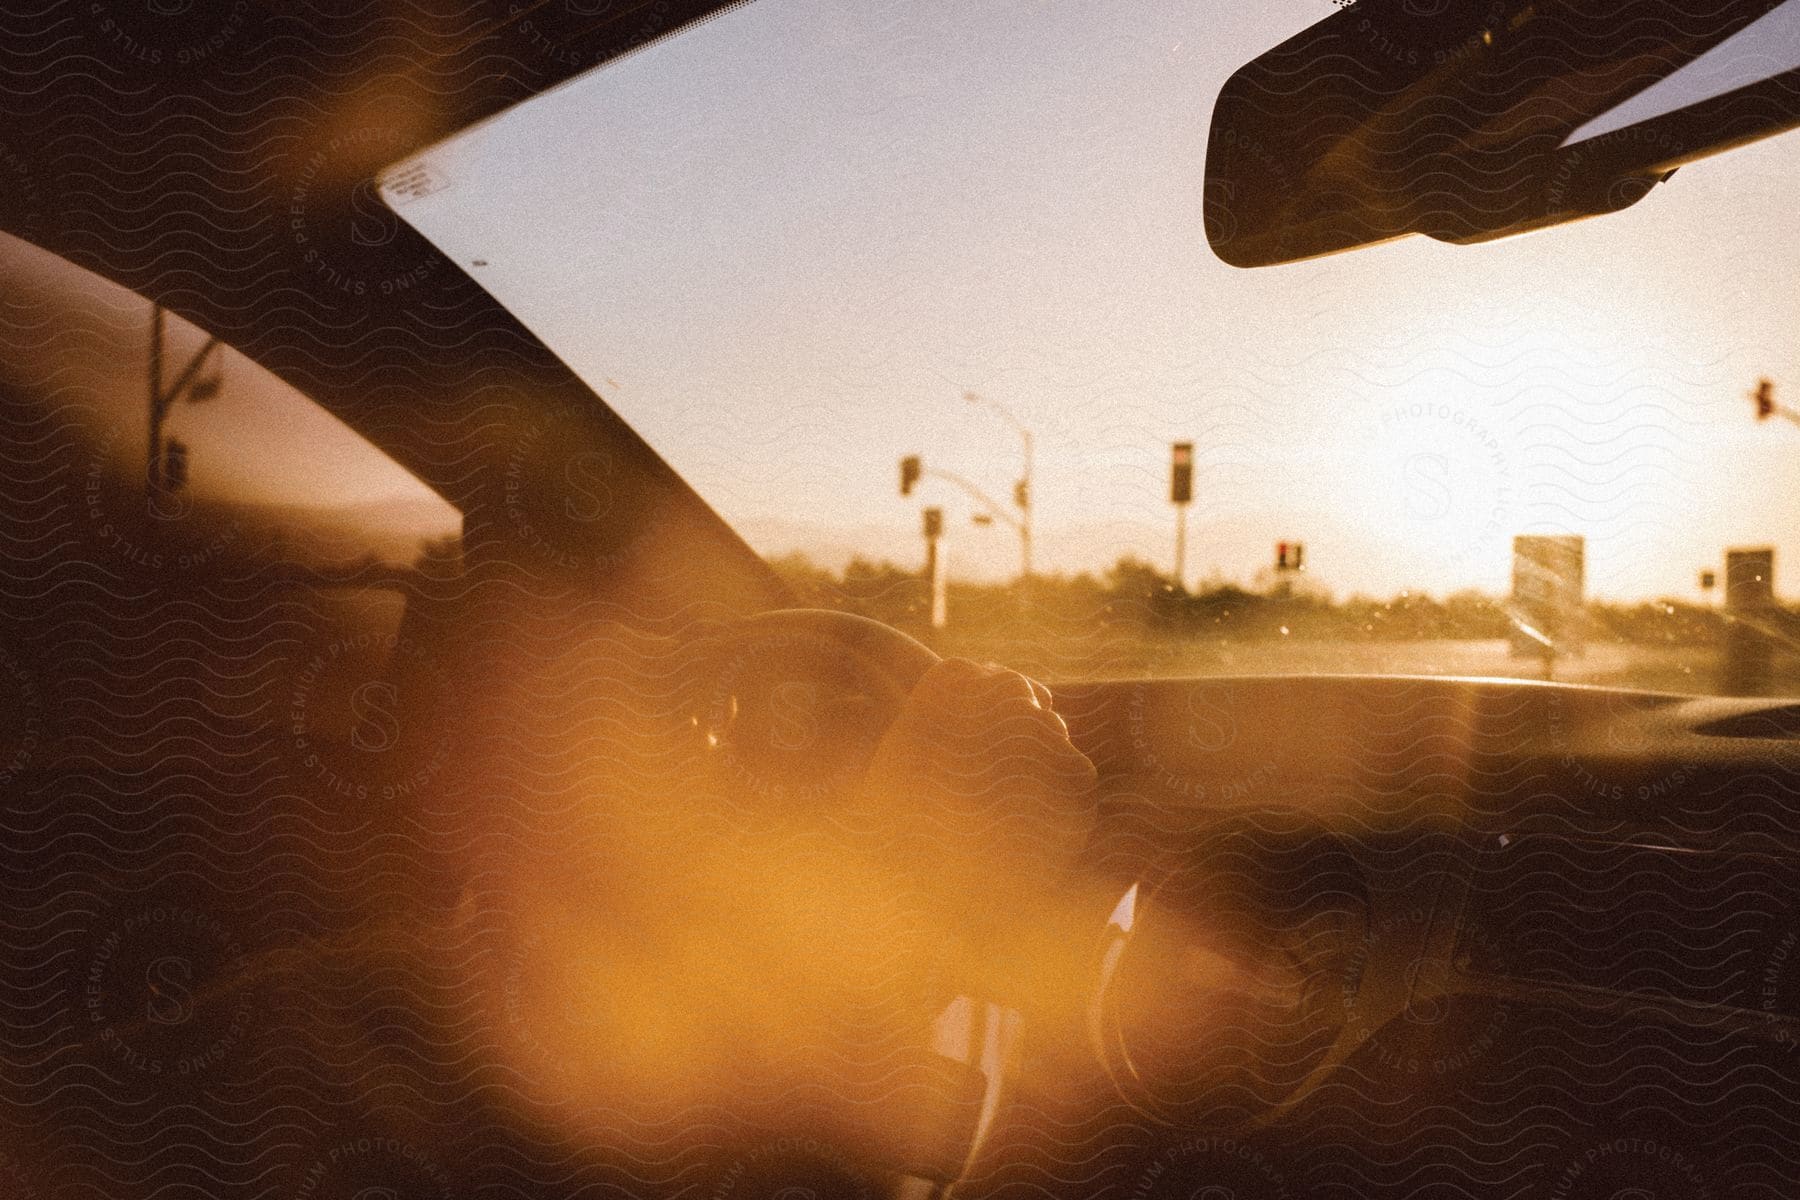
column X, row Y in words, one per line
column 415, row 787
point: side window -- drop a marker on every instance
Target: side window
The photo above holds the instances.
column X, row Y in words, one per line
column 169, row 498
column 197, row 458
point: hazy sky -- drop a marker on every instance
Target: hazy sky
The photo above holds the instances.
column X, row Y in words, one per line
column 784, row 244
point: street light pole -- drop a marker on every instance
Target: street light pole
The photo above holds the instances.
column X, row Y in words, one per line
column 1022, row 494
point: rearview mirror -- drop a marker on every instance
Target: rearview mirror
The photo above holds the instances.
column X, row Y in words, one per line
column 1467, row 120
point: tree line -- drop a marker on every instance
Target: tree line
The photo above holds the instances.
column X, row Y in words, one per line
column 1136, row 597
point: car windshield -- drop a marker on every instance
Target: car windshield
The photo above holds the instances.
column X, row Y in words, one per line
column 919, row 298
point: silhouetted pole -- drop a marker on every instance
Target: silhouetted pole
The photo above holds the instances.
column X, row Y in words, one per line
column 912, row 470
column 933, row 526
column 1181, row 547
column 1181, row 494
column 189, row 386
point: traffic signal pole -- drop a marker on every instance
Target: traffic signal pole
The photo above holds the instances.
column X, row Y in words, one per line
column 1181, row 494
column 912, row 471
column 157, row 478
column 1181, row 546
column 933, row 528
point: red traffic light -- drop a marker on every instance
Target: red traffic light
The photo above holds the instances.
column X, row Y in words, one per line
column 911, row 467
column 1181, row 474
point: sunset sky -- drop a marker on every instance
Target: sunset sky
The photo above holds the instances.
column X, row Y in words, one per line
column 783, row 247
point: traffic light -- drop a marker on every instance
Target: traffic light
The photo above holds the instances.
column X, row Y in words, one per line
column 933, row 523
column 1181, row 474
column 1290, row 556
column 1022, row 493
column 910, row 469
column 1765, row 399
column 207, row 387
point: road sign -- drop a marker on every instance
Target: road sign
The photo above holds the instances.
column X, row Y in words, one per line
column 1750, row 579
column 1753, row 623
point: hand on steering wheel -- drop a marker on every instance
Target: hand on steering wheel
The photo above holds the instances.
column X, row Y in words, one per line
column 977, row 781
column 965, row 773
column 952, row 783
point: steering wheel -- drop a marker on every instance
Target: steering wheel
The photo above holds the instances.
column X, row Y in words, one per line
column 798, row 700
column 795, row 701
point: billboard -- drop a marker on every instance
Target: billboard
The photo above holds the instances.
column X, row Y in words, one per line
column 1753, row 623
column 1750, row 579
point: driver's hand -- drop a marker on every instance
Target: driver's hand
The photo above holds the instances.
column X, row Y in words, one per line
column 978, row 788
